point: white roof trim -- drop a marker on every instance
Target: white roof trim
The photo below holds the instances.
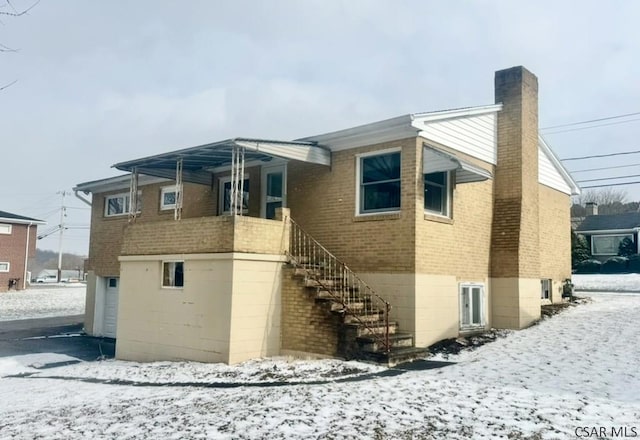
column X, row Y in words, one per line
column 20, row 221
column 465, row 171
column 575, row 189
column 116, row 183
column 421, row 118
column 608, row 231
column 304, row 153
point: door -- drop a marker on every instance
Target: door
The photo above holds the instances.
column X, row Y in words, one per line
column 274, row 191
column 111, row 307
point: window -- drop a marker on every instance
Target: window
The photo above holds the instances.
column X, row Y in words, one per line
column 379, row 183
column 4, row 267
column 119, row 205
column 113, row 283
column 545, row 289
column 168, row 197
column 437, row 193
column 225, row 196
column 607, row 244
column 471, row 305
column 5, row 228
column 173, row 274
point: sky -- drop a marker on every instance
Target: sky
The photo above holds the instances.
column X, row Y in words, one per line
column 104, row 82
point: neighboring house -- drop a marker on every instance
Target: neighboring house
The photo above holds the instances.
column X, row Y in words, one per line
column 51, row 276
column 604, row 233
column 363, row 242
column 17, row 245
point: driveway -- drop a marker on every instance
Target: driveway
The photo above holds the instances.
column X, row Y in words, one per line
column 62, row 335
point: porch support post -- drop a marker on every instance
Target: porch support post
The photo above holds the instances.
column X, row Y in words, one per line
column 237, row 180
column 177, row 210
column 133, row 196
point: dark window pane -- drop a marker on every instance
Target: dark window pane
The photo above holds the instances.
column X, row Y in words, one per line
column 433, row 198
column 379, row 168
column 440, row 178
column 227, row 196
column 381, row 196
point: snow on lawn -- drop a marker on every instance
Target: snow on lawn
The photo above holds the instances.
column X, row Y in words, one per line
column 628, row 282
column 577, row 369
column 42, row 302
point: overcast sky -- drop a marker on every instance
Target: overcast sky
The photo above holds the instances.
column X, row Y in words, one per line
column 100, row 82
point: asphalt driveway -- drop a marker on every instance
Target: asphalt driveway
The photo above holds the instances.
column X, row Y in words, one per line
column 62, row 335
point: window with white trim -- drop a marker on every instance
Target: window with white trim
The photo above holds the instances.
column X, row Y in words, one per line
column 224, row 198
column 4, row 266
column 379, row 182
column 5, row 228
column 168, row 197
column 437, row 193
column 607, row 244
column 471, row 306
column 173, row 274
column 545, row 289
column 118, row 204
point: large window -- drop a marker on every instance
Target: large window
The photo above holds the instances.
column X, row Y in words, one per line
column 118, row 204
column 173, row 274
column 4, row 266
column 437, row 193
column 607, row 244
column 168, row 197
column 471, row 306
column 379, row 182
column 5, row 228
column 225, row 196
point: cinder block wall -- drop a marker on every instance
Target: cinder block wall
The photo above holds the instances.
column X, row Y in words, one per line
column 12, row 250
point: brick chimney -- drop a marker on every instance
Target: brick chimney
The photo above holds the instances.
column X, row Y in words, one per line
column 515, row 254
column 592, row 208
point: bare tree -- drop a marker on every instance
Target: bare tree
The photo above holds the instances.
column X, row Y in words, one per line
column 602, row 196
column 8, row 10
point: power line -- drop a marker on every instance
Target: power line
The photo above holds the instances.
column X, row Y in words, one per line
column 608, row 118
column 593, row 126
column 606, row 168
column 608, row 178
column 610, row 184
column 600, row 155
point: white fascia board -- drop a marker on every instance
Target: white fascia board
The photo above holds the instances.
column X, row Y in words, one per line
column 116, row 183
column 608, row 231
column 301, row 152
column 19, row 221
column 368, row 134
column 418, row 119
column 575, row 189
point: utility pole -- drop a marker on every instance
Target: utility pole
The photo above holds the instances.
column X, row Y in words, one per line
column 63, row 214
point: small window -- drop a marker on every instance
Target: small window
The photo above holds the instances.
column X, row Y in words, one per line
column 4, row 267
column 607, row 244
column 113, row 282
column 545, row 289
column 173, row 274
column 437, row 193
column 168, row 197
column 379, row 183
column 225, row 196
column 471, row 305
column 118, row 204
column 5, row 228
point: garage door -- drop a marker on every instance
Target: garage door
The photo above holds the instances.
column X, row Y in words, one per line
column 111, row 307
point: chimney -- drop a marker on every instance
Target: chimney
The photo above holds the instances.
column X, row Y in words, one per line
column 515, row 254
column 592, row 208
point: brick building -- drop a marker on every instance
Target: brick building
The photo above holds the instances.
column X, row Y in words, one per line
column 365, row 242
column 17, row 245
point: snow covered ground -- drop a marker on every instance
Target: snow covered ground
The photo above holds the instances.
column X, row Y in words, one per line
column 43, row 302
column 628, row 282
column 576, row 370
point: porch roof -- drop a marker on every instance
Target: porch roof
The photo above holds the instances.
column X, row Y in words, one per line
column 435, row 160
column 197, row 162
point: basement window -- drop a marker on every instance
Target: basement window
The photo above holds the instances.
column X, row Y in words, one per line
column 173, row 274
column 471, row 306
column 5, row 229
column 545, row 289
column 4, row 266
column 379, row 182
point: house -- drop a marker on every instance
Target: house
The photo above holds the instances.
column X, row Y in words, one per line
column 17, row 244
column 604, row 233
column 367, row 242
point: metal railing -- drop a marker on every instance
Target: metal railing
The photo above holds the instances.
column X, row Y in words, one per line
column 334, row 279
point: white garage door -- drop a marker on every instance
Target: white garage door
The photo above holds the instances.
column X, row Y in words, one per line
column 111, row 307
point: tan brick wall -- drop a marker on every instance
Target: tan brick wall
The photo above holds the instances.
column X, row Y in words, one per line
column 307, row 325
column 516, row 226
column 555, row 238
column 12, row 251
column 323, row 201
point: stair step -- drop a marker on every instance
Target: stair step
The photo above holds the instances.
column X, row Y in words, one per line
column 356, row 305
column 396, row 340
column 350, row 318
column 361, row 330
column 396, row 356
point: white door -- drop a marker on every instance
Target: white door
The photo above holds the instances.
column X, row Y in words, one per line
column 274, row 189
column 111, row 307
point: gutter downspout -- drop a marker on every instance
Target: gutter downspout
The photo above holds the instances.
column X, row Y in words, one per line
column 75, row 192
column 26, row 257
